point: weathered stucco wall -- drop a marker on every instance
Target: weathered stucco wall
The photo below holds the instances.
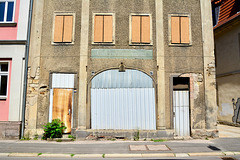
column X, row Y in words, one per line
column 62, row 58
column 228, row 88
column 228, row 71
column 46, row 58
column 122, row 10
column 166, row 60
column 228, row 50
column 183, row 60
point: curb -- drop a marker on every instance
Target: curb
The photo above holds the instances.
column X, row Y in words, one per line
column 22, row 154
column 140, row 155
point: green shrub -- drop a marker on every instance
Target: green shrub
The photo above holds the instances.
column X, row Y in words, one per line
column 54, row 129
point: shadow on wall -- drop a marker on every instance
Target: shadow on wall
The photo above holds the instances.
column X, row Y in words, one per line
column 236, row 107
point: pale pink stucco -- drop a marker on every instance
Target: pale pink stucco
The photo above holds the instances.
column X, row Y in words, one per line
column 10, row 33
column 4, row 104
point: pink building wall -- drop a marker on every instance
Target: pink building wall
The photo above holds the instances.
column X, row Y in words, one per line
column 4, row 103
column 10, row 33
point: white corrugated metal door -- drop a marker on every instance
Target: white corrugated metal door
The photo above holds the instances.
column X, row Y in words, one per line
column 123, row 100
column 181, row 112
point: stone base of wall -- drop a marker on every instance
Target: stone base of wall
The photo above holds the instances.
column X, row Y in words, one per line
column 204, row 133
column 33, row 133
column 130, row 135
column 10, row 130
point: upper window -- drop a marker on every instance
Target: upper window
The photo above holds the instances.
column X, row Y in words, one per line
column 63, row 28
column 7, row 11
column 180, row 30
column 215, row 12
column 140, row 30
column 103, row 28
column 4, row 68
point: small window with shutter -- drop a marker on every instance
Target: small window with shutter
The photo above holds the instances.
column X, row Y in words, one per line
column 103, row 29
column 63, row 28
column 180, row 30
column 140, row 29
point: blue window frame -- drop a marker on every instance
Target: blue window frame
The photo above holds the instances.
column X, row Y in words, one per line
column 7, row 11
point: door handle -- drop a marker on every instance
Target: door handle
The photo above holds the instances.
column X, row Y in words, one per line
column 69, row 111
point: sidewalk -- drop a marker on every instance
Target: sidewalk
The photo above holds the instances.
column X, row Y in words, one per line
column 123, row 149
column 120, row 149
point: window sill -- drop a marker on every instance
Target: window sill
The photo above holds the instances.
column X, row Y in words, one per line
column 4, row 24
column 140, row 44
column 103, row 44
column 3, row 97
column 180, row 45
column 63, row 43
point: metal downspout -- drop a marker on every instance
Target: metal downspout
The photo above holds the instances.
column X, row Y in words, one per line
column 26, row 68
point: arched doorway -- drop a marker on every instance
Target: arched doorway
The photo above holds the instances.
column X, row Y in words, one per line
column 123, row 100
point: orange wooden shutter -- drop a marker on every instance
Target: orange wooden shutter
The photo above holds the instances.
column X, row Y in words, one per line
column 175, row 29
column 68, row 29
column 108, row 28
column 145, row 29
column 185, row 30
column 58, row 29
column 136, row 29
column 98, row 29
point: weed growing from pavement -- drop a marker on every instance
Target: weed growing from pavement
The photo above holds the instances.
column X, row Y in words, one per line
column 39, row 154
column 58, row 140
column 35, row 137
column 26, row 138
column 72, row 155
column 71, row 136
column 103, row 155
column 136, row 136
column 158, row 140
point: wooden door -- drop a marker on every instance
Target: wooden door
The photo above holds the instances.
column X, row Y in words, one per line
column 62, row 106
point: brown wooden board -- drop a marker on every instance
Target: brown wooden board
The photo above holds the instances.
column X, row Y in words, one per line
column 98, row 29
column 58, row 29
column 108, row 28
column 136, row 29
column 175, row 29
column 62, row 106
column 185, row 30
column 145, row 29
column 68, row 27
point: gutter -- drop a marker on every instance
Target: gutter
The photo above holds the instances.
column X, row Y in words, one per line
column 26, row 68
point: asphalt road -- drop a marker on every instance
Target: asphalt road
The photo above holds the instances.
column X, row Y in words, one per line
column 172, row 158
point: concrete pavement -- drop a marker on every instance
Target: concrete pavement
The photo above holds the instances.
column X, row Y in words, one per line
column 121, row 149
column 228, row 131
column 125, row 149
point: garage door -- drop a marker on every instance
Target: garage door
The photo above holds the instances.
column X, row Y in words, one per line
column 123, row 100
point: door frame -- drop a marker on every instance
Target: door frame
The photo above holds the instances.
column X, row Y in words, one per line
column 52, row 87
column 171, row 101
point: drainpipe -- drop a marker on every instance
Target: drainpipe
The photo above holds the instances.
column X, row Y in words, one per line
column 26, row 68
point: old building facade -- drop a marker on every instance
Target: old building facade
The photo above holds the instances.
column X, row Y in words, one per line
column 227, row 50
column 111, row 67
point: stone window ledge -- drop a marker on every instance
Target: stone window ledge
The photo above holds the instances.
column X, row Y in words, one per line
column 14, row 24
